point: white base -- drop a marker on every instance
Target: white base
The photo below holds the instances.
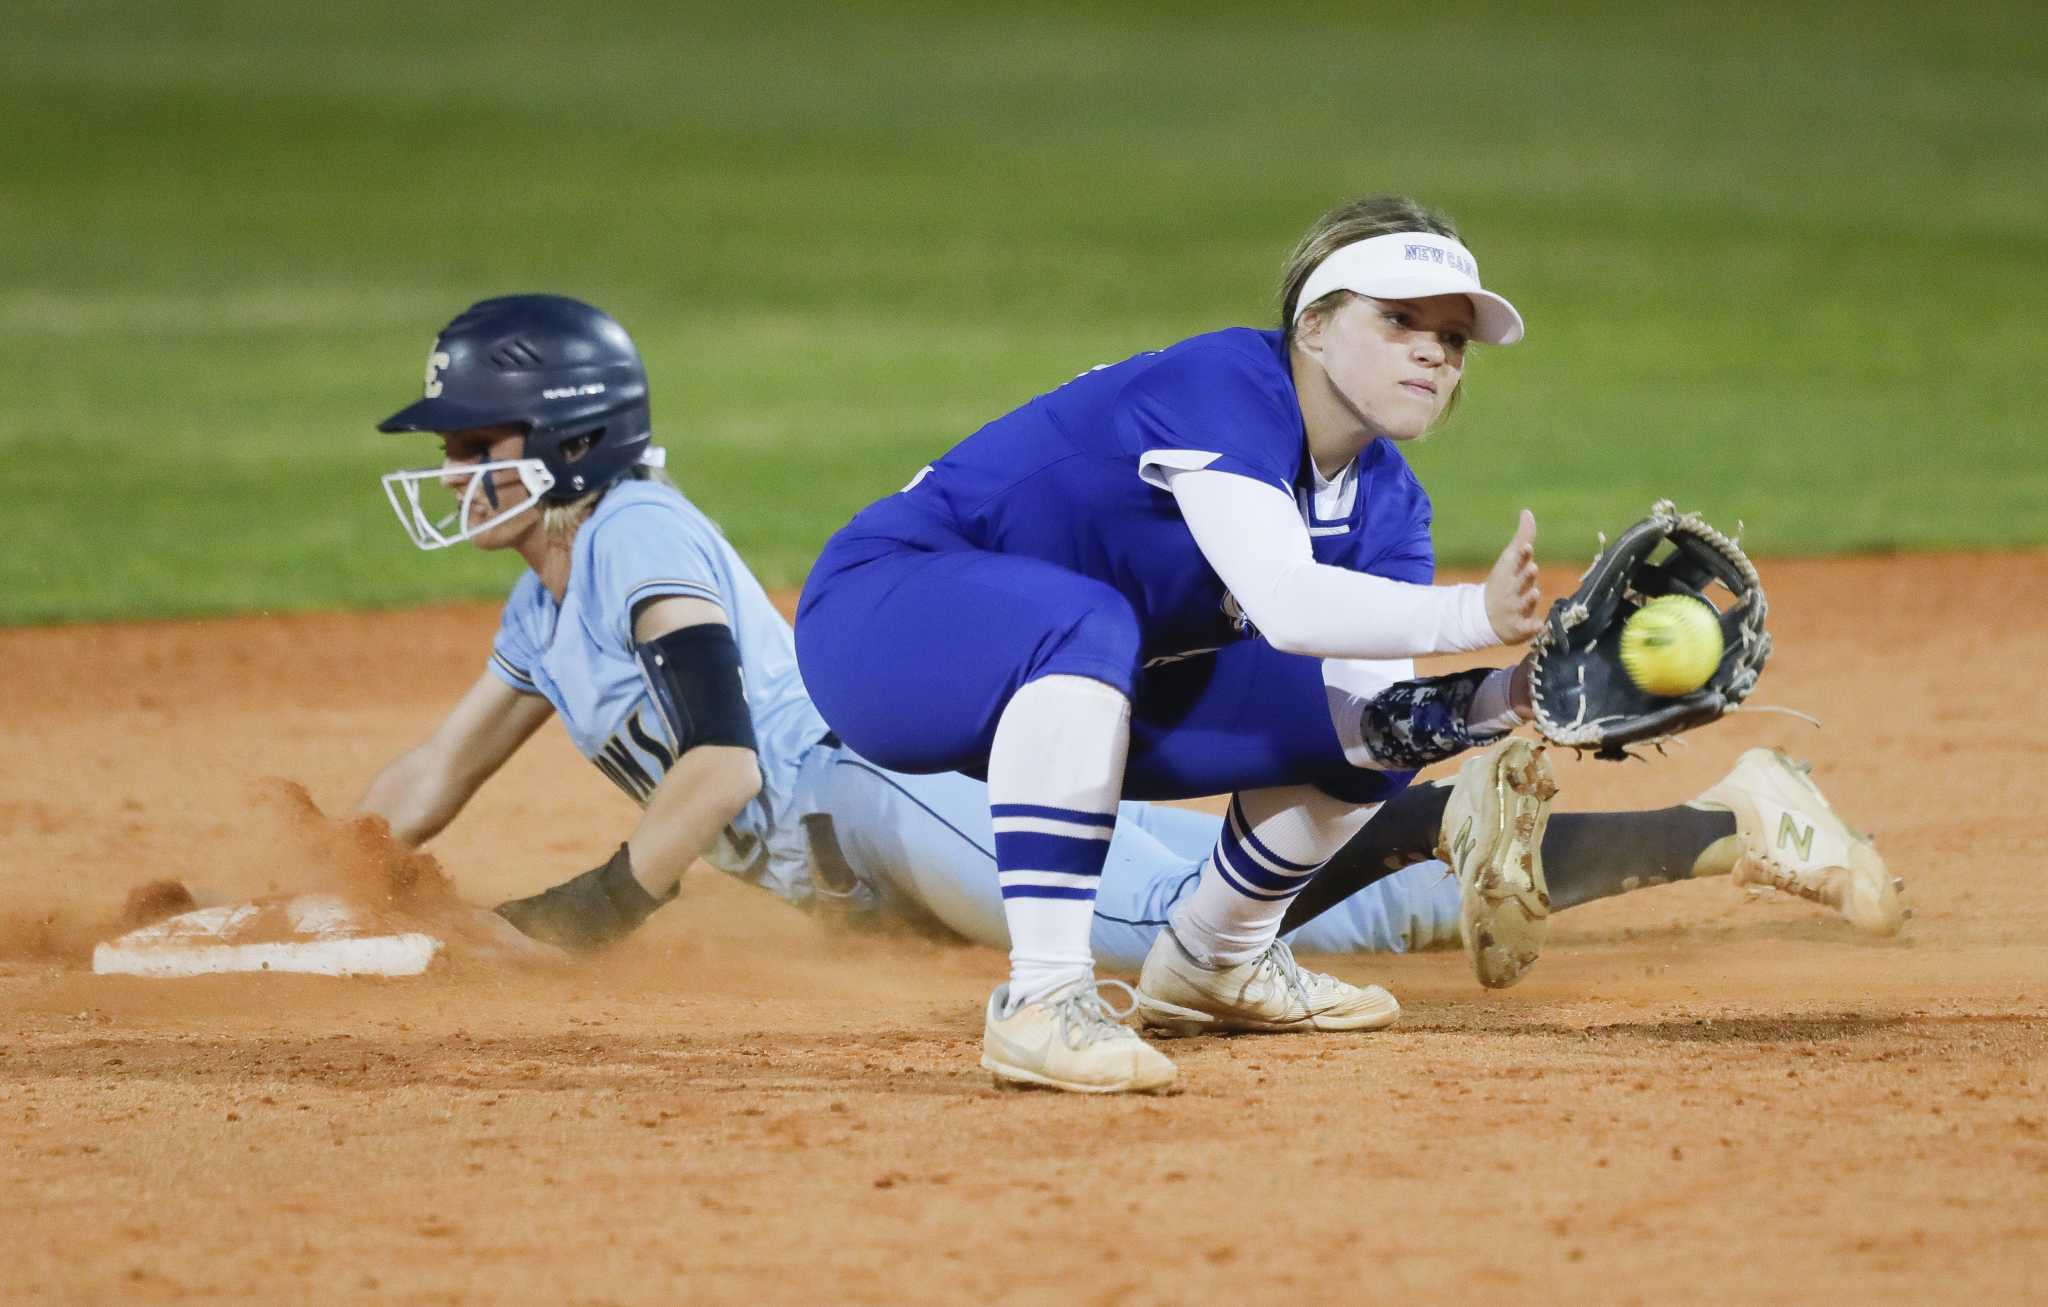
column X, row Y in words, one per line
column 375, row 955
column 327, row 937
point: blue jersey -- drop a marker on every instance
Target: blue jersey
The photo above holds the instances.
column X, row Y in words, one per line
column 1076, row 478
column 644, row 541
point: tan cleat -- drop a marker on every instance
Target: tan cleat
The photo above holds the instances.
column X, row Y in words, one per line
column 1071, row 1039
column 1792, row 840
column 1179, row 996
column 1492, row 838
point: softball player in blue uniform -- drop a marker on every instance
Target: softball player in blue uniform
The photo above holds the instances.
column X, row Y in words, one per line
column 1204, row 569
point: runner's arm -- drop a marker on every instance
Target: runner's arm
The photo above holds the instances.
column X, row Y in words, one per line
column 421, row 790
column 708, row 784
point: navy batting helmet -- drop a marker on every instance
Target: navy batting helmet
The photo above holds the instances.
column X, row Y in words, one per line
column 560, row 368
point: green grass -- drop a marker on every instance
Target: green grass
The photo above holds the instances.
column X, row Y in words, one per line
column 1784, row 266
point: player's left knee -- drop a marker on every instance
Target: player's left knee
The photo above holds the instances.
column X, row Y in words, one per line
column 1100, row 639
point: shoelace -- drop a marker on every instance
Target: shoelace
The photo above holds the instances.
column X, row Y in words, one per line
column 1280, row 958
column 1085, row 1016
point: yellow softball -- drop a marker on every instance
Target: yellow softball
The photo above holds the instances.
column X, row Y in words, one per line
column 1671, row 645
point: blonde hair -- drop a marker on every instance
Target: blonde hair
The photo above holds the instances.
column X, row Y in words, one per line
column 562, row 520
column 1347, row 224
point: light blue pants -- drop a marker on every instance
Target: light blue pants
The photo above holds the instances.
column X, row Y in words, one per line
column 924, row 843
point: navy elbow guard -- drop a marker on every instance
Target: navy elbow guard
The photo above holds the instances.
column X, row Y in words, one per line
column 694, row 676
column 1415, row 723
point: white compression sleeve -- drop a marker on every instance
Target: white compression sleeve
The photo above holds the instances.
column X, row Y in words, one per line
column 1253, row 535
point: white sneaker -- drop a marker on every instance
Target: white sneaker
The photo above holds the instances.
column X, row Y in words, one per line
column 1071, row 1039
column 1492, row 838
column 1793, row 841
column 1179, row 996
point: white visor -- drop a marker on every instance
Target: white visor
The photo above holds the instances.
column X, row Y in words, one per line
column 1413, row 265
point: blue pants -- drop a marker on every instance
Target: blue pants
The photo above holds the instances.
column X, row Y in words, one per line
column 911, row 654
column 924, row 843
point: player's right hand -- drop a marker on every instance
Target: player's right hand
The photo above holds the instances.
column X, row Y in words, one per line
column 1514, row 601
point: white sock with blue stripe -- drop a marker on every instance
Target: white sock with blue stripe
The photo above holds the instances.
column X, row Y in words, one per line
column 1055, row 772
column 1272, row 843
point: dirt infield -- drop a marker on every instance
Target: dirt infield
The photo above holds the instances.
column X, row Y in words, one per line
column 1693, row 1097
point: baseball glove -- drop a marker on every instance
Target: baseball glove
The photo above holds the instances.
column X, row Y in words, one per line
column 1583, row 698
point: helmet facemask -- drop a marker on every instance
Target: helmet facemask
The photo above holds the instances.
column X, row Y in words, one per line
column 435, row 514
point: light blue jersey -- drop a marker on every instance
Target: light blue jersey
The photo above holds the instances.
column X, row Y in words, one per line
column 918, row 844
column 645, row 541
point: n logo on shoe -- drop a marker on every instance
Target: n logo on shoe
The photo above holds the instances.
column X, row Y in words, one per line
column 1791, row 835
column 1462, row 844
